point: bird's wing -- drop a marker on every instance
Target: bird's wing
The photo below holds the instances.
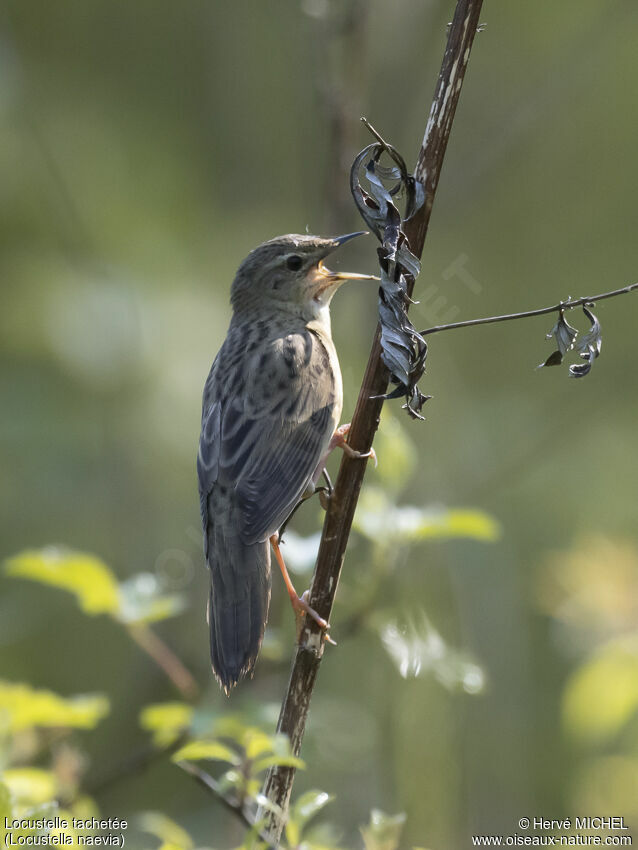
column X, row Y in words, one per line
column 208, row 454
column 284, row 456
column 271, row 432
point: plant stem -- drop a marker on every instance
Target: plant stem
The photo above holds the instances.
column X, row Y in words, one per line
column 342, row 504
column 212, row 786
column 165, row 658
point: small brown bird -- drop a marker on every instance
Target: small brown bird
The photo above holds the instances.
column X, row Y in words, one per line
column 271, row 405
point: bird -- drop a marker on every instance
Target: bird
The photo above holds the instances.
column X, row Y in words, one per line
column 270, row 409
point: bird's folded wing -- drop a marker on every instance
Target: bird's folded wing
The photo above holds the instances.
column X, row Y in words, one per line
column 271, row 461
column 266, row 436
column 208, row 454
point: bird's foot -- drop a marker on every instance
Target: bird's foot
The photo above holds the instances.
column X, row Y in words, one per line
column 324, row 497
column 339, row 440
column 303, row 609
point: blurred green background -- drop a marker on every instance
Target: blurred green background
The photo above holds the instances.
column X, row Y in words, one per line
column 145, row 148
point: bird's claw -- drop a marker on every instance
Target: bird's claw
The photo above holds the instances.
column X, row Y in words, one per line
column 302, row 608
column 359, row 455
column 339, row 439
column 324, row 497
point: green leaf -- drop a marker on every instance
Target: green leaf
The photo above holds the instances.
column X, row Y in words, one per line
column 25, row 707
column 211, row 750
column 171, row 834
column 255, row 742
column 293, row 832
column 602, row 695
column 305, row 808
column 30, row 786
column 166, row 721
column 6, row 809
column 279, row 761
column 383, row 832
column 378, row 519
column 22, row 834
column 87, row 577
column 233, row 727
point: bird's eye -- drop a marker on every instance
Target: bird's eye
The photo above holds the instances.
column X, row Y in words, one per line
column 294, row 262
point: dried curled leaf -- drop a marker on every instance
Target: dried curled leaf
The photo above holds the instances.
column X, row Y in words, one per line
column 403, row 349
column 589, row 347
column 565, row 336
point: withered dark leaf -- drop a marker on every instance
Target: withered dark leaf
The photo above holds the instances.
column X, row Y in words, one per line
column 565, row 336
column 589, row 347
column 403, row 349
column 554, row 359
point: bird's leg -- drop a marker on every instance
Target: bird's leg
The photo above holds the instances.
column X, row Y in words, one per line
column 309, row 493
column 325, row 492
column 299, row 603
column 339, row 441
column 328, row 488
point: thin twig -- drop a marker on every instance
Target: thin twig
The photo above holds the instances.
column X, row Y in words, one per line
column 210, row 784
column 165, row 658
column 338, row 522
column 508, row 317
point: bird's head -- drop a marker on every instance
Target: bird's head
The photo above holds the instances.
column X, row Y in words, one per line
column 288, row 273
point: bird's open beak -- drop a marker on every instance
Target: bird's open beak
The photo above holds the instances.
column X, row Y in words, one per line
column 339, row 240
column 330, row 277
column 337, row 277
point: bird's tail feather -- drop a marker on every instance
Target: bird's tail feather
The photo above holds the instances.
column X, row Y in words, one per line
column 239, row 600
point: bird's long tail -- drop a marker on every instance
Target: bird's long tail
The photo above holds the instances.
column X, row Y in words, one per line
column 239, row 600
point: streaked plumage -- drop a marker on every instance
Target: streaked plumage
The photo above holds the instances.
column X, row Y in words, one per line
column 271, row 404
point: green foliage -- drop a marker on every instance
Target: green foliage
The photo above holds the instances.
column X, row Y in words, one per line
column 378, row 519
column 23, row 707
column 591, row 590
column 5, row 803
column 30, row 786
column 139, row 599
column 383, row 832
column 301, row 813
column 85, row 576
column 166, row 721
column 247, row 749
column 170, row 833
column 602, row 695
column 207, row 750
